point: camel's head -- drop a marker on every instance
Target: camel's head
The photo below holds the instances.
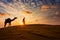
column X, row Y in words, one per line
column 15, row 17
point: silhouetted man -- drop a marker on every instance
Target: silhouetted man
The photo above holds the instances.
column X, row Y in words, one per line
column 24, row 20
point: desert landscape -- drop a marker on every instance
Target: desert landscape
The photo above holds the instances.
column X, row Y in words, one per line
column 29, row 19
column 30, row 32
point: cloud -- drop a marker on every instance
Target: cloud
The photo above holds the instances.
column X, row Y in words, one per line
column 50, row 12
column 56, row 15
column 4, row 15
column 49, row 7
column 27, row 12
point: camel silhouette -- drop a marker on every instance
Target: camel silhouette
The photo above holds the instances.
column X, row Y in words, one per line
column 8, row 20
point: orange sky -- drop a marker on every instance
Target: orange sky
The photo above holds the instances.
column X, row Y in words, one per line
column 44, row 14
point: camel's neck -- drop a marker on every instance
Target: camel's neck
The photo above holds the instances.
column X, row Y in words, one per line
column 12, row 19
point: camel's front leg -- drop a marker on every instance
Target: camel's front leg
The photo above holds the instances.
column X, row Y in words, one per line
column 9, row 24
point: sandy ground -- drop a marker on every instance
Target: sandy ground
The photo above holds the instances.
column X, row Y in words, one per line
column 30, row 32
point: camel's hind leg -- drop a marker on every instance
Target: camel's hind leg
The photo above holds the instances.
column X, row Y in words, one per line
column 5, row 24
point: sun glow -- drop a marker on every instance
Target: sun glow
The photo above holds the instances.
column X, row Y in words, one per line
column 19, row 12
column 21, row 23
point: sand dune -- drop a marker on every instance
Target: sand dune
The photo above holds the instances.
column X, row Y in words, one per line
column 30, row 32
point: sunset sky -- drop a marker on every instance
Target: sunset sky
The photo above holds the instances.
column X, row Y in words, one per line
column 35, row 11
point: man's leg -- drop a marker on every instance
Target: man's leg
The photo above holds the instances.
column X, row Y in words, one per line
column 24, row 23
